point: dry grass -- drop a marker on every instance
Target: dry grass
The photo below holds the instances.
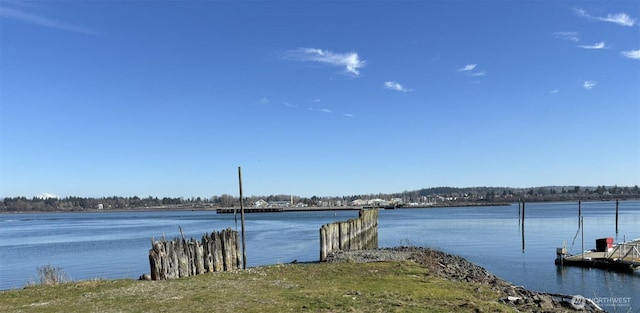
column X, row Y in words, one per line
column 50, row 275
column 323, row 287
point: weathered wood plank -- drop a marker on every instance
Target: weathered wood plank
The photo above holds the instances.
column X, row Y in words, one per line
column 199, row 258
column 217, row 255
column 220, row 251
column 354, row 234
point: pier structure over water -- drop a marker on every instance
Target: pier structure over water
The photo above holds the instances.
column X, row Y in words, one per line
column 274, row 209
column 288, row 209
column 624, row 256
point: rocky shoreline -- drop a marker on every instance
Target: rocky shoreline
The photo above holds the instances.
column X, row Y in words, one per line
column 456, row 268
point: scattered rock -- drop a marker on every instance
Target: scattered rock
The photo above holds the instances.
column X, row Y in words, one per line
column 546, row 303
column 455, row 268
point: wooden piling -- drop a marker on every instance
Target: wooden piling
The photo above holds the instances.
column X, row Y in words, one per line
column 199, row 258
column 176, row 258
column 522, row 226
column 582, row 234
column 345, row 228
column 217, row 252
column 617, row 203
column 244, row 249
column 323, row 237
column 354, row 234
column 183, row 261
column 579, row 211
column 172, row 250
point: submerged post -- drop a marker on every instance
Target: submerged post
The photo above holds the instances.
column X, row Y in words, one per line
column 244, row 250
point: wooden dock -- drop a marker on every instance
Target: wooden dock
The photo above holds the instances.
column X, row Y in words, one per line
column 621, row 257
column 248, row 210
column 287, row 209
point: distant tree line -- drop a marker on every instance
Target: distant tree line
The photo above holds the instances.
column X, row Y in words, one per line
column 452, row 195
column 549, row 193
column 83, row 204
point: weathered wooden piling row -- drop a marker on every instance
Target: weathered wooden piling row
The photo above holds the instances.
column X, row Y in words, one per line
column 354, row 234
column 216, row 252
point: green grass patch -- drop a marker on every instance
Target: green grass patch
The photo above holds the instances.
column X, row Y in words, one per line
column 318, row 287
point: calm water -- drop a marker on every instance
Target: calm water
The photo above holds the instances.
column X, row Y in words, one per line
column 115, row 245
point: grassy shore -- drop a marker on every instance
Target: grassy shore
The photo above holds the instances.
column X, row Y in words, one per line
column 402, row 286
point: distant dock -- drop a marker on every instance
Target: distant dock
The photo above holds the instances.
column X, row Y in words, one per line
column 622, row 257
column 275, row 209
column 287, row 209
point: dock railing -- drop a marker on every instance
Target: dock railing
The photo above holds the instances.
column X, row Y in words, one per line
column 626, row 251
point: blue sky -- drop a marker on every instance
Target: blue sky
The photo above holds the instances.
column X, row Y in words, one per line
column 101, row 98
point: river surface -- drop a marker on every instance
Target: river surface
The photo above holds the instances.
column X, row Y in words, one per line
column 116, row 244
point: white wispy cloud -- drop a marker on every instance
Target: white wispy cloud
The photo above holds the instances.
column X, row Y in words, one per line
column 287, row 104
column 35, row 19
column 329, row 111
column 588, row 84
column 472, row 70
column 632, row 54
column 263, row 100
column 467, row 68
column 350, row 60
column 572, row 36
column 396, row 86
column 599, row 45
column 554, row 91
column 621, row 19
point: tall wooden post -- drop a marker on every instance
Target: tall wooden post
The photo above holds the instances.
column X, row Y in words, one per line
column 582, row 232
column 617, row 203
column 522, row 226
column 244, row 247
column 579, row 212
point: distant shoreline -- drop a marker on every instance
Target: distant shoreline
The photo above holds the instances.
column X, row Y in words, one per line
column 185, row 207
column 285, row 209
